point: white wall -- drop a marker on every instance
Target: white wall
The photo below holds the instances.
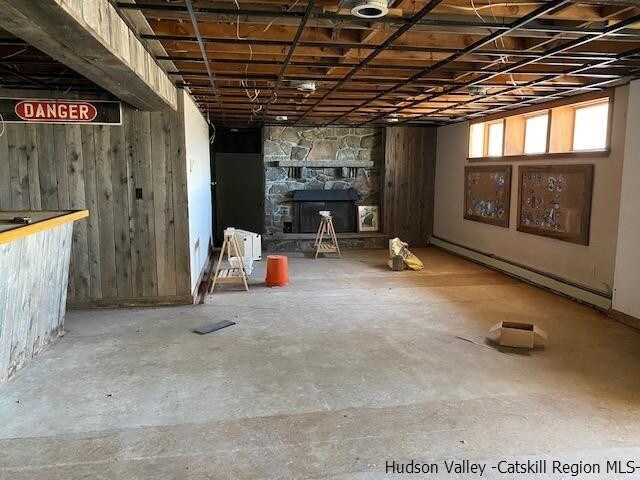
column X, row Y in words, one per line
column 591, row 266
column 198, row 186
column 626, row 295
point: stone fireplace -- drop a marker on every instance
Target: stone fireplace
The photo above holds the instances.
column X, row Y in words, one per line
column 309, row 165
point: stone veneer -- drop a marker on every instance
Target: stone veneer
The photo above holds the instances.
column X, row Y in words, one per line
column 308, row 145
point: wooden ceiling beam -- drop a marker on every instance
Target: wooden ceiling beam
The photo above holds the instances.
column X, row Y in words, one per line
column 423, row 66
column 551, row 78
column 449, row 14
column 413, row 53
column 477, row 45
column 284, row 65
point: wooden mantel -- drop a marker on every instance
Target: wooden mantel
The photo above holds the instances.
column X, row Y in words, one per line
column 324, row 163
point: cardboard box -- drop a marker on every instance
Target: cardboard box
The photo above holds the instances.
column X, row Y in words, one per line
column 520, row 335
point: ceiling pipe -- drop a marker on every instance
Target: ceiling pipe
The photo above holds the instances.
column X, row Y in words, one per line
column 560, row 48
column 210, row 73
column 533, row 83
column 293, row 46
column 428, row 8
column 469, row 49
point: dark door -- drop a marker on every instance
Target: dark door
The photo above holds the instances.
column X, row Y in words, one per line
column 239, row 191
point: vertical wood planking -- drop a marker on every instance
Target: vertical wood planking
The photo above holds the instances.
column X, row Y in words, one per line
column 388, row 200
column 11, row 267
column 408, row 203
column 121, row 211
column 134, row 244
column 63, row 273
column 62, row 177
column 429, row 178
column 409, row 179
column 163, row 204
column 128, row 248
column 91, row 203
column 23, row 167
column 80, row 247
column 180, row 200
column 144, row 233
column 104, row 19
column 47, row 166
column 5, row 175
column 32, row 289
column 33, row 171
column 18, row 172
column 169, row 281
column 104, row 200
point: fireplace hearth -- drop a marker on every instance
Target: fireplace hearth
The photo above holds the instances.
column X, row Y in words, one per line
column 308, row 203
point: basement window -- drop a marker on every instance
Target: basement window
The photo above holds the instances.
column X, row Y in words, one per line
column 476, row 140
column 590, row 127
column 536, row 131
column 577, row 125
column 495, row 139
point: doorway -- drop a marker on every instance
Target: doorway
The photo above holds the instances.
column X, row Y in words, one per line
column 238, row 189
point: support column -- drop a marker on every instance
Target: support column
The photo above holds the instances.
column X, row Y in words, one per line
column 626, row 300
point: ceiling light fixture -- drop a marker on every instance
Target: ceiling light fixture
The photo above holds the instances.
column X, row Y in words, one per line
column 304, row 85
column 477, row 91
column 370, row 8
column 282, row 118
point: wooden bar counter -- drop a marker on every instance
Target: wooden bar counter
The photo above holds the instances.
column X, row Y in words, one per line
column 34, row 274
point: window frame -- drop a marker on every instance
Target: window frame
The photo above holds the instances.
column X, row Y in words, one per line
column 470, row 146
column 607, row 135
column 527, row 117
column 487, row 136
column 554, row 107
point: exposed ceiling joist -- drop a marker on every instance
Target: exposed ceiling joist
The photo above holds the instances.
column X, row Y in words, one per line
column 416, row 63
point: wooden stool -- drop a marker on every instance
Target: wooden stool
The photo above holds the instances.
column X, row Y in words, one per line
column 232, row 274
column 326, row 227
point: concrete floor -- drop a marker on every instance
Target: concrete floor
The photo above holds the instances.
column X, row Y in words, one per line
column 350, row 366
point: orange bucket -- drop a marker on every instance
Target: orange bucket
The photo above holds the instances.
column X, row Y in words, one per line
column 277, row 271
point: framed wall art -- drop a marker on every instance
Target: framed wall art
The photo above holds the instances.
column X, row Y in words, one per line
column 555, row 201
column 368, row 218
column 487, row 194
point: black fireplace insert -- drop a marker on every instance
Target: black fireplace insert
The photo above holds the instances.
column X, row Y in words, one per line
column 308, row 203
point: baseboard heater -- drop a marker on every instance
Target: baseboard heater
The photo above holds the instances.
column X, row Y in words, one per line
column 599, row 300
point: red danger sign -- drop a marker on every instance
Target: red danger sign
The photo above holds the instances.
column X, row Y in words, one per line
column 50, row 110
column 55, row 111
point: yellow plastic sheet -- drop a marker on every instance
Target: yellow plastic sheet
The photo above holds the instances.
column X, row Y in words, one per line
column 398, row 247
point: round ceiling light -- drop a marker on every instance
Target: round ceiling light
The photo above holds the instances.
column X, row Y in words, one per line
column 476, row 90
column 370, row 8
column 304, row 85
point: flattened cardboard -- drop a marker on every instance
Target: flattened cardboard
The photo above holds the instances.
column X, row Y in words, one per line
column 519, row 335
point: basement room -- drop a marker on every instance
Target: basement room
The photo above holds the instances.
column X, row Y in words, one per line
column 319, row 239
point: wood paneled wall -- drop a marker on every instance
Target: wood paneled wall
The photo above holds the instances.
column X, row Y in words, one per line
column 409, row 182
column 130, row 250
